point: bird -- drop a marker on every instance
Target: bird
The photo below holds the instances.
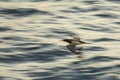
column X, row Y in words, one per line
column 72, row 43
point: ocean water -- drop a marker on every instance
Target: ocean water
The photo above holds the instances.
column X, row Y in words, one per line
column 31, row 32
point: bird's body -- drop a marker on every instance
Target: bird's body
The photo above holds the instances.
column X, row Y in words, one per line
column 73, row 43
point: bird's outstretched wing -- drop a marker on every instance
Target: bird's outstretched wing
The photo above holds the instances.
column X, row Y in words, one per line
column 71, row 47
column 76, row 38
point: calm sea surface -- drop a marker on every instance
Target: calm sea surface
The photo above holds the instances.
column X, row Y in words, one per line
column 31, row 34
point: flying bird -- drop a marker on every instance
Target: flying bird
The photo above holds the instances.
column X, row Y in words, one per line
column 73, row 43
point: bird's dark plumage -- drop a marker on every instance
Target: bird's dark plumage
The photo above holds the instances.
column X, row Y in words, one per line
column 73, row 43
column 67, row 40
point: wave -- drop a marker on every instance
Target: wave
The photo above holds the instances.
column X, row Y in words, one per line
column 21, row 12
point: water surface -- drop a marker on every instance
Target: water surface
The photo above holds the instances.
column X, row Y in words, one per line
column 30, row 34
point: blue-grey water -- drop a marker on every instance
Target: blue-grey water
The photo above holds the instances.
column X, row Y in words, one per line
column 31, row 32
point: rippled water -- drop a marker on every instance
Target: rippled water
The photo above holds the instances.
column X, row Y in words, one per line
column 31, row 34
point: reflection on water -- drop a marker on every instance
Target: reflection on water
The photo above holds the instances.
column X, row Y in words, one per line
column 31, row 34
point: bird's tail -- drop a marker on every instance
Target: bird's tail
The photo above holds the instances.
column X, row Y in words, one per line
column 85, row 42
